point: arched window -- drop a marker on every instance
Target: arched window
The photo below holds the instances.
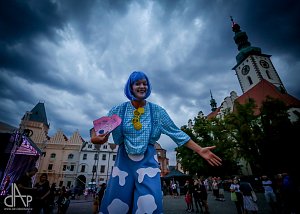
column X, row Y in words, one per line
column 70, row 156
column 53, row 155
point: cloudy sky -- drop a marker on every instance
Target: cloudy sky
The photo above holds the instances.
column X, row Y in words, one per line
column 75, row 56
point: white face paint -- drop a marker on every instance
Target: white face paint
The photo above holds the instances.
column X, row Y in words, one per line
column 139, row 89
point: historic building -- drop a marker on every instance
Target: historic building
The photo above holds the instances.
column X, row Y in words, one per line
column 61, row 155
column 258, row 79
column 96, row 162
column 162, row 160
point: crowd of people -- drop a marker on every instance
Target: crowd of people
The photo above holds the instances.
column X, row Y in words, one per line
column 49, row 199
column 44, row 196
column 280, row 193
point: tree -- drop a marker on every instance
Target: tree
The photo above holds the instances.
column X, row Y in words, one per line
column 245, row 129
column 266, row 141
column 207, row 133
column 280, row 134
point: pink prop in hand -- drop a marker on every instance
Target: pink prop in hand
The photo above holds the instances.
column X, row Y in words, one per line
column 106, row 124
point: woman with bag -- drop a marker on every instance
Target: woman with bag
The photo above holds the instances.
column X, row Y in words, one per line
column 249, row 197
column 236, row 196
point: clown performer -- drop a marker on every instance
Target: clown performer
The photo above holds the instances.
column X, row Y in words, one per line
column 134, row 185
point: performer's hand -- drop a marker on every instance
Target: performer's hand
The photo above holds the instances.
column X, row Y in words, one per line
column 205, row 153
column 99, row 139
column 209, row 156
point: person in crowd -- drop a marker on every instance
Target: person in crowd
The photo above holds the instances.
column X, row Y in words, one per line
column 142, row 124
column 86, row 193
column 221, row 196
column 165, row 188
column 96, row 205
column 250, row 205
column 197, row 195
column 24, row 183
column 215, row 188
column 52, row 197
column 64, row 204
column 174, row 189
column 61, row 197
column 236, row 196
column 188, row 187
column 269, row 193
column 206, row 183
column 41, row 200
column 101, row 193
column 203, row 196
column 290, row 194
column 188, row 201
column 178, row 188
column 25, row 186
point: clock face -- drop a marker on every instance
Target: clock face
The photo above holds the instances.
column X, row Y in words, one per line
column 245, row 69
column 264, row 64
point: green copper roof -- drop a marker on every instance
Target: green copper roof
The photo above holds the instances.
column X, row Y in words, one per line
column 38, row 114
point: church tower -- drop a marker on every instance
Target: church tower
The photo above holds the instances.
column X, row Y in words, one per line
column 36, row 120
column 252, row 65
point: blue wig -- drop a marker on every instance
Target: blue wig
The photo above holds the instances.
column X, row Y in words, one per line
column 135, row 76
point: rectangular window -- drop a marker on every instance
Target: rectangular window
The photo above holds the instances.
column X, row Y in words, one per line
column 84, row 157
column 102, row 168
column 72, row 167
column 114, row 157
column 64, row 167
column 82, row 168
column 104, row 157
column 50, row 166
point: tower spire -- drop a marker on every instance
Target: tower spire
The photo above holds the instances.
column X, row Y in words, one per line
column 213, row 102
column 244, row 46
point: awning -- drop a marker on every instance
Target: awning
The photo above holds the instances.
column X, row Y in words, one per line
column 176, row 173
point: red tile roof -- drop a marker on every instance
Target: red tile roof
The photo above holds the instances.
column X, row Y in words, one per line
column 213, row 114
column 263, row 89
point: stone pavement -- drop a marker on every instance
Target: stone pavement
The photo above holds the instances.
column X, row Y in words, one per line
column 178, row 206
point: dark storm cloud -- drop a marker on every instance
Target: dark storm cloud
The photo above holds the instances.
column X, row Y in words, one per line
column 23, row 24
column 24, row 20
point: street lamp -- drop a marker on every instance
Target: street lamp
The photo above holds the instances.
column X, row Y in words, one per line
column 112, row 146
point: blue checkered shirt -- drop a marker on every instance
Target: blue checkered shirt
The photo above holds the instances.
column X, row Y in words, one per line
column 153, row 126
